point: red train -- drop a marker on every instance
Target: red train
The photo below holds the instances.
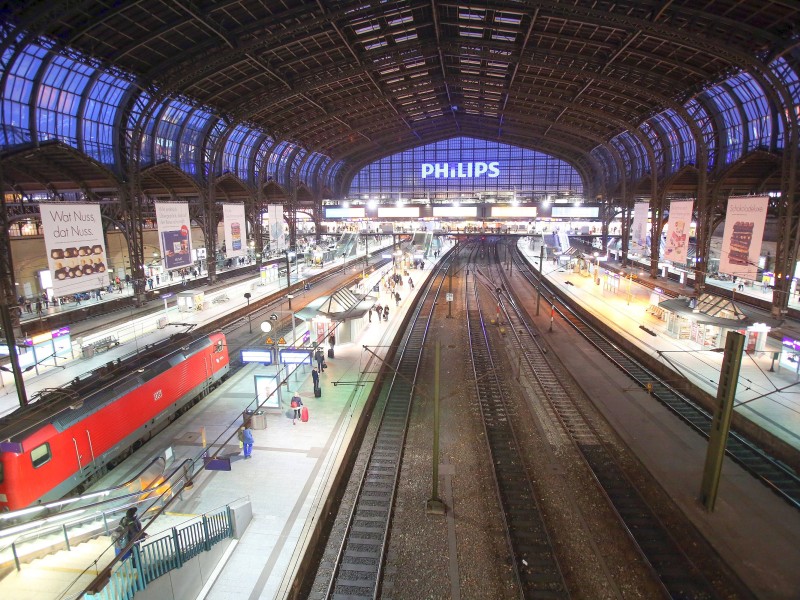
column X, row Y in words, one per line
column 68, row 438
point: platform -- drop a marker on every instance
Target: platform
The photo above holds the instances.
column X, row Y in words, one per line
column 292, row 464
column 768, row 398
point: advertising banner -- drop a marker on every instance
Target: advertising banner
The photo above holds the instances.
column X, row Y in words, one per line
column 638, row 239
column 277, row 238
column 174, row 232
column 76, row 253
column 234, row 224
column 680, row 221
column 744, row 231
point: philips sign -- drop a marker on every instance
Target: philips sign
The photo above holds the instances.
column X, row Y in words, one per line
column 460, row 170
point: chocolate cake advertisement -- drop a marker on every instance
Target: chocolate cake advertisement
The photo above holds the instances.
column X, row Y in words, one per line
column 76, row 252
column 744, row 231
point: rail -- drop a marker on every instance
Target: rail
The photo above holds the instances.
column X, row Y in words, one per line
column 359, row 564
column 536, row 567
column 773, row 473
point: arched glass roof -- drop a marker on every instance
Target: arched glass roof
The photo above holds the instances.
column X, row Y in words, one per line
column 77, row 103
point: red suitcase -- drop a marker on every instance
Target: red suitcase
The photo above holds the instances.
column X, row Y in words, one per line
column 304, row 414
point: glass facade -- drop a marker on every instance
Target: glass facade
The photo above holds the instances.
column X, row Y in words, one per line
column 467, row 165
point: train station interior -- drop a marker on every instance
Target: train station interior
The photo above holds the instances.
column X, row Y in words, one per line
column 399, row 299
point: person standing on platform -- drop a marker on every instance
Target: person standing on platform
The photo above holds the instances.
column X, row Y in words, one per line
column 397, row 298
column 315, row 378
column 247, row 440
column 320, row 358
column 411, row 283
column 386, row 313
column 331, row 344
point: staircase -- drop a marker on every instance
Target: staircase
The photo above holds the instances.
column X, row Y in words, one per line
column 60, row 575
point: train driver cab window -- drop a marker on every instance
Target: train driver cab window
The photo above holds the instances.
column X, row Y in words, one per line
column 1, row 473
column 40, row 455
column 218, row 347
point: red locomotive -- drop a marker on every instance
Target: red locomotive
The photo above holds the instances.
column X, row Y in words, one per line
column 68, row 438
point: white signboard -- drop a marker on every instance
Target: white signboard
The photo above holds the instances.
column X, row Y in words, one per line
column 174, row 233
column 680, row 220
column 277, row 238
column 455, row 211
column 234, row 223
column 398, row 213
column 514, row 211
column 638, row 239
column 76, row 253
column 345, row 213
column 744, row 231
column 575, row 212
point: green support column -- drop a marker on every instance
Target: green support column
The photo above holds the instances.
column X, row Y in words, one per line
column 726, row 393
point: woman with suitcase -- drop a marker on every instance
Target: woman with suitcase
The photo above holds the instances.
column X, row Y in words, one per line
column 296, row 404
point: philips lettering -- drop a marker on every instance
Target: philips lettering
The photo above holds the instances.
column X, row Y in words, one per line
column 468, row 170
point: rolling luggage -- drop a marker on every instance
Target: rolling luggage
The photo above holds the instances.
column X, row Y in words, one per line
column 304, row 414
column 330, row 352
column 317, row 392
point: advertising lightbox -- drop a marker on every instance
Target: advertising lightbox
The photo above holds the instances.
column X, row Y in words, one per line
column 525, row 212
column 398, row 213
column 455, row 211
column 575, row 212
column 345, row 213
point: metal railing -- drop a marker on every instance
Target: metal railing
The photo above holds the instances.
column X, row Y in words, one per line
column 153, row 559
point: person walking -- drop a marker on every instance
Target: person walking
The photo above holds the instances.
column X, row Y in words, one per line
column 297, row 405
column 39, row 307
column 247, row 440
column 132, row 528
column 397, row 298
column 315, row 379
column 411, row 282
column 331, row 344
column 386, row 313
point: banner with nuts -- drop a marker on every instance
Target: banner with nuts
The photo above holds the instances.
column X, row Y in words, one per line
column 76, row 252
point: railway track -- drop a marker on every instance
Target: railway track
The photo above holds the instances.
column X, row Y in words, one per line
column 359, row 563
column 771, row 472
column 669, row 564
column 534, row 560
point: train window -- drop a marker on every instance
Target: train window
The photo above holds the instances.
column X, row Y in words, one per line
column 40, row 455
column 1, row 473
column 218, row 347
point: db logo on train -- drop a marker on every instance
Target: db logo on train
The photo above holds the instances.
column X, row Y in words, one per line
column 157, row 395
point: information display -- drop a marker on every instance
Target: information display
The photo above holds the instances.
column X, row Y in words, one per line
column 295, row 356
column 257, row 355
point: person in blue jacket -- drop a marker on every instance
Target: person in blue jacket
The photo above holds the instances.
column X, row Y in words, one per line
column 247, row 440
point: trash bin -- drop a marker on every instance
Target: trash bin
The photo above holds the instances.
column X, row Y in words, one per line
column 258, row 419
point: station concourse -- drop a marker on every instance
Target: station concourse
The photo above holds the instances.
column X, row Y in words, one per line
column 179, row 167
